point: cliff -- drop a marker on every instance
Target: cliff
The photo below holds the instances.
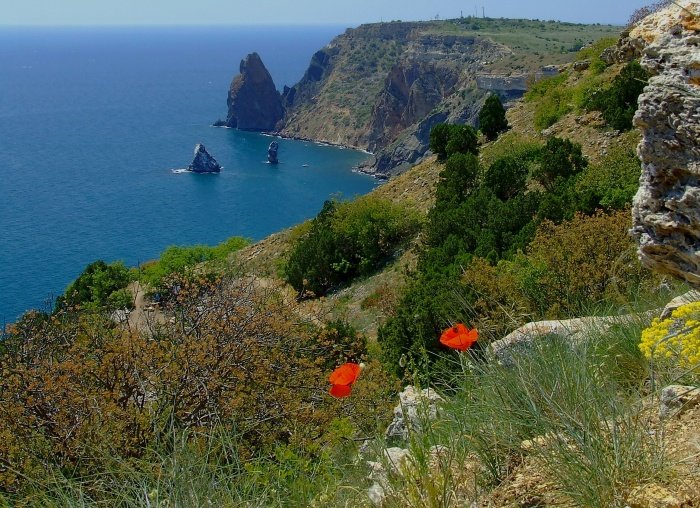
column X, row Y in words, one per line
column 666, row 208
column 253, row 101
column 381, row 87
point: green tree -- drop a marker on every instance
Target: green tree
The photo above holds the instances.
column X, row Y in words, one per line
column 95, row 285
column 439, row 136
column 462, row 139
column 492, row 117
column 559, row 159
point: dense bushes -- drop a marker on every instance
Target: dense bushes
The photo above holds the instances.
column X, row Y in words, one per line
column 346, row 240
column 618, row 102
column 176, row 259
column 507, row 243
column 78, row 393
column 446, row 140
column 100, row 285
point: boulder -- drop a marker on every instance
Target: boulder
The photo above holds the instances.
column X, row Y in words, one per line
column 254, row 104
column 675, row 399
column 415, row 409
column 203, row 162
column 666, row 208
column 272, row 152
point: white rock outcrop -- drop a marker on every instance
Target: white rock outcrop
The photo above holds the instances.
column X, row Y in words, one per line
column 666, row 208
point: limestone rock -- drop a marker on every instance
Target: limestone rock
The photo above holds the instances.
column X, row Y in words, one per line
column 666, row 209
column 254, row 103
column 685, row 298
column 203, row 162
column 524, row 338
column 272, row 152
column 414, row 410
column 675, row 399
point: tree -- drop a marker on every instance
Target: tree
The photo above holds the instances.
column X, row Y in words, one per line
column 492, row 117
column 95, row 285
column 559, row 159
column 439, row 135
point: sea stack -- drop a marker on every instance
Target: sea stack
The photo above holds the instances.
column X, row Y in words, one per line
column 254, row 104
column 203, row 162
column 272, row 152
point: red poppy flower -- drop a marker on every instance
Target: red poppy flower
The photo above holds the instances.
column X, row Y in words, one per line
column 343, row 378
column 459, row 337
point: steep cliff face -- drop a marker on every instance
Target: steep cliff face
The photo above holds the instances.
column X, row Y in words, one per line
column 667, row 206
column 253, row 101
column 381, row 87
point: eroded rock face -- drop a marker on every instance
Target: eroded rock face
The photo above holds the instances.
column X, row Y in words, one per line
column 203, row 162
column 666, row 209
column 272, row 152
column 254, row 103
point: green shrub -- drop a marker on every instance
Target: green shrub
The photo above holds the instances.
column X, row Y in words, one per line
column 347, row 240
column 558, row 160
column 94, row 287
column 176, row 259
column 492, row 117
column 446, row 140
column 618, row 102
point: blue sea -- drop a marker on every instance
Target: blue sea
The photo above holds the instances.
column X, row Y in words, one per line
column 94, row 120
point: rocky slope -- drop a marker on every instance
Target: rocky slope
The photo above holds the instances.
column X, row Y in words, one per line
column 381, row 87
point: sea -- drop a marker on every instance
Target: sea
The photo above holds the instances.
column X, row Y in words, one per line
column 93, row 121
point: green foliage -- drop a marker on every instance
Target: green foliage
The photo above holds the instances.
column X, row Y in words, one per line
column 559, row 159
column 446, row 140
column 95, row 287
column 618, row 102
column 177, row 259
column 611, row 183
column 492, row 117
column 347, row 240
column 553, row 99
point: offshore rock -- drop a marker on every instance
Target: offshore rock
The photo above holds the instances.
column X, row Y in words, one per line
column 254, row 104
column 272, row 152
column 666, row 209
column 203, row 162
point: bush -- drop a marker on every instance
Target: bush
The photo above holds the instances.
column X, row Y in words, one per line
column 93, row 289
column 347, row 240
column 492, row 117
column 618, row 102
column 446, row 140
column 585, row 260
column 558, row 160
column 79, row 395
column 176, row 259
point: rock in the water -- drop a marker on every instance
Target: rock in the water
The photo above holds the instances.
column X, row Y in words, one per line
column 254, row 103
column 666, row 209
column 272, row 152
column 203, row 162
column 414, row 410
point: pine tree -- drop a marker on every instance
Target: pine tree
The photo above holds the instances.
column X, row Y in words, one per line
column 492, row 117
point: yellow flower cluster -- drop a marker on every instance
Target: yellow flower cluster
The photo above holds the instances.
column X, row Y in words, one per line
column 677, row 337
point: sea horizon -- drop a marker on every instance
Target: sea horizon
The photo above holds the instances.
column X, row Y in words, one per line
column 95, row 119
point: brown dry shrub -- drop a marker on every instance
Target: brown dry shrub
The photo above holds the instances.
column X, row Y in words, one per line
column 585, row 260
column 76, row 388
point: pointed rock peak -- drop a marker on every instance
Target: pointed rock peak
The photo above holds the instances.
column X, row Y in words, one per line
column 253, row 102
column 203, row 162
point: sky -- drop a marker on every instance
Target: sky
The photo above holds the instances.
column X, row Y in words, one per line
column 301, row 12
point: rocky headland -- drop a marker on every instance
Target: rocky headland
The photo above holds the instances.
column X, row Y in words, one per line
column 381, row 87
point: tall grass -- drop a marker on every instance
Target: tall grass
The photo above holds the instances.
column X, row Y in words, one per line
column 571, row 409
